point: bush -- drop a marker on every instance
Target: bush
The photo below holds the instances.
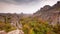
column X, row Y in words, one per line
column 6, row 26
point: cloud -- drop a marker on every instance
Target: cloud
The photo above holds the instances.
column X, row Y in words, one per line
column 20, row 1
column 25, row 6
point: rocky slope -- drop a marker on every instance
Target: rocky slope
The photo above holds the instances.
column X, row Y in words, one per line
column 14, row 19
column 50, row 13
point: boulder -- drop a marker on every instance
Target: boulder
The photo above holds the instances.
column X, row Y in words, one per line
column 16, row 32
column 3, row 32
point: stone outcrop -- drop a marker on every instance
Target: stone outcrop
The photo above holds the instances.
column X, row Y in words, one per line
column 13, row 19
column 3, row 32
column 16, row 32
column 13, row 32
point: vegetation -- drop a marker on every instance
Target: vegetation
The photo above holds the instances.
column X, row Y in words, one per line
column 38, row 26
column 33, row 26
column 6, row 26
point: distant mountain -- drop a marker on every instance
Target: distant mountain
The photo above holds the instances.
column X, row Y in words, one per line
column 49, row 13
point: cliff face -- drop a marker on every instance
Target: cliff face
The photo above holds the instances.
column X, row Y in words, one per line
column 50, row 13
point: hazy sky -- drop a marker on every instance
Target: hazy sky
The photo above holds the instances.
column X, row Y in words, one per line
column 25, row 6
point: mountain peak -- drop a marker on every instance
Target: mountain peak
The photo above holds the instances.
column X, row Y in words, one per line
column 58, row 2
column 46, row 7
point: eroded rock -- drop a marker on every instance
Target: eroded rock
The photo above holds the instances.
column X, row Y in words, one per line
column 3, row 32
column 16, row 32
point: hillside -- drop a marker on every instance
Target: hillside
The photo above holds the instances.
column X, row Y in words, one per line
column 50, row 13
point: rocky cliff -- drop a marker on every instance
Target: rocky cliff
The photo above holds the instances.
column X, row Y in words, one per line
column 50, row 13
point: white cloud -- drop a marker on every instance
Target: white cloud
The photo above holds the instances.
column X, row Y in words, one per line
column 25, row 8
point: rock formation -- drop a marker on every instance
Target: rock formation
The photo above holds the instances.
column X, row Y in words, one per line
column 50, row 13
column 3, row 32
column 16, row 32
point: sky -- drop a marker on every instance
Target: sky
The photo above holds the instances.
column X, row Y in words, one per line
column 25, row 6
